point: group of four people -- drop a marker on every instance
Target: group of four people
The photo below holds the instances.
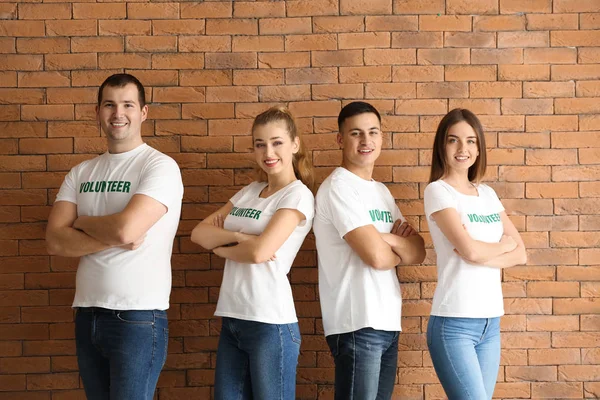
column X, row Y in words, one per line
column 119, row 212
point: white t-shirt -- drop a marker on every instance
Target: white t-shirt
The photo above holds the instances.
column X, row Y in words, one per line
column 262, row 292
column 353, row 294
column 463, row 289
column 126, row 279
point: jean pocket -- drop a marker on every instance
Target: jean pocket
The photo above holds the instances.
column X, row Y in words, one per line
column 295, row 333
column 333, row 341
column 429, row 333
column 138, row 317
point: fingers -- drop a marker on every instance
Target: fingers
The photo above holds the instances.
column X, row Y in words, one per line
column 397, row 223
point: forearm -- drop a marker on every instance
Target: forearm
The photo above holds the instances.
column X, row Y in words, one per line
column 210, row 236
column 481, row 252
column 244, row 252
column 410, row 249
column 516, row 257
column 108, row 228
column 70, row 242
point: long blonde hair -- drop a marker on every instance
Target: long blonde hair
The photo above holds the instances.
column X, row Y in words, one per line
column 303, row 168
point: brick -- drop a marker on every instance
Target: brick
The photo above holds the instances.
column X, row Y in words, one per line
column 586, row 21
column 530, row 373
column 177, row 61
column 285, row 93
column 443, row 90
column 82, row 27
column 550, row 390
column 527, row 106
column 390, row 90
column 8, row 79
column 588, row 89
column 43, row 45
column 99, row 11
column 526, row 340
column 22, row 28
column 534, row 6
column 206, row 78
column 315, row 108
column 552, row 190
column 123, row 28
column 179, row 27
column 231, row 27
column 231, row 94
column 546, row 22
column 207, row 10
column 362, row 7
column 470, row 73
column 417, row 39
column 574, row 6
column 284, row 60
column 445, row 23
column 392, row 23
column 47, row 112
column 571, row 72
column 21, row 96
column 152, row 11
column 365, row 74
column 589, row 122
column 418, row 74
column 192, row 111
column 479, row 107
column 337, row 58
column 590, row 289
column 554, row 123
column 13, row 382
column 71, row 95
column 472, row 7
column 523, row 39
column 150, row 44
column 419, row 6
column 230, row 127
column 469, row 39
column 549, row 89
column 72, row 61
column 45, row 146
column 305, row 8
column 420, row 107
column 550, row 56
column 553, row 356
column 388, row 56
column 249, row 9
column 310, row 42
column 576, row 106
column 14, row 62
column 54, row 381
column 443, row 56
column 258, row 43
column 499, row 23
column 278, row 26
column 45, row 11
column 9, row 113
column 523, row 72
column 496, row 56
column 229, row 60
column 575, row 139
column 8, row 11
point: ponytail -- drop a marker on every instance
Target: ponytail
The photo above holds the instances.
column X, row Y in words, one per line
column 301, row 162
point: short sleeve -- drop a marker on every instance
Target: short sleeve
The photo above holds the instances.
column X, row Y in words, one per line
column 438, row 197
column 491, row 195
column 396, row 213
column 299, row 198
column 347, row 210
column 161, row 180
column 68, row 191
column 238, row 196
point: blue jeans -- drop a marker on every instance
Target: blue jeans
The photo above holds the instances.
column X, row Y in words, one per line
column 256, row 360
column 365, row 364
column 465, row 354
column 120, row 353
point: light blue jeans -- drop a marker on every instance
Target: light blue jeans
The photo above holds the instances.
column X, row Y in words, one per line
column 120, row 353
column 256, row 360
column 465, row 354
column 365, row 364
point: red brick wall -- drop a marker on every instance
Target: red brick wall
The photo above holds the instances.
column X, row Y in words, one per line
column 529, row 68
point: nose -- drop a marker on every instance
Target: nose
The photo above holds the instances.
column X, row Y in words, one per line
column 118, row 110
column 268, row 150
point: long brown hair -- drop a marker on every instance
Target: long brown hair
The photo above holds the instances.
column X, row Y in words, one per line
column 303, row 168
column 439, row 164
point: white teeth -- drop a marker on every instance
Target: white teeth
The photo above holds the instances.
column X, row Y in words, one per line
column 365, row 151
column 117, row 124
column 271, row 162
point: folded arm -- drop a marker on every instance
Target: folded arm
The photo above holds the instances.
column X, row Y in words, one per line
column 474, row 251
column 64, row 240
column 261, row 248
column 515, row 257
column 127, row 226
column 372, row 249
column 406, row 243
column 210, row 235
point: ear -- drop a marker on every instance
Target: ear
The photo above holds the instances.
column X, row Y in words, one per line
column 98, row 116
column 340, row 140
column 296, row 145
column 144, row 112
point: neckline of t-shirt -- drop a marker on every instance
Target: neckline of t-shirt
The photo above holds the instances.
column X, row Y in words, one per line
column 356, row 177
column 463, row 194
column 273, row 194
column 127, row 154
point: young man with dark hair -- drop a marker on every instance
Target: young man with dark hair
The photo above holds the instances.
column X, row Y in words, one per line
column 119, row 212
column 361, row 236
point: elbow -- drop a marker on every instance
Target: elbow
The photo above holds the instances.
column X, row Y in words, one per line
column 381, row 263
column 259, row 255
column 472, row 255
column 523, row 257
column 53, row 248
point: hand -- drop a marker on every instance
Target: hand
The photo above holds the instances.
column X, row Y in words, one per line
column 508, row 243
column 134, row 245
column 218, row 221
column 403, row 229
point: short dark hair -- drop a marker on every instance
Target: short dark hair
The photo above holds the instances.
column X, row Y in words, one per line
column 356, row 108
column 439, row 164
column 121, row 80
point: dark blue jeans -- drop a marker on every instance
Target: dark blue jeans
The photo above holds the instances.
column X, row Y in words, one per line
column 256, row 360
column 365, row 364
column 465, row 354
column 120, row 353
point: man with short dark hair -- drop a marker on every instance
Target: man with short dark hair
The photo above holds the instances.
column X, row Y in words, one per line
column 361, row 236
column 119, row 212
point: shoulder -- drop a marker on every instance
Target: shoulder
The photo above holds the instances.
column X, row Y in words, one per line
column 157, row 158
column 298, row 187
column 486, row 190
column 437, row 188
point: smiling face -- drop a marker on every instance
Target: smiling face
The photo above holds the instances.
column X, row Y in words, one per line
column 462, row 147
column 120, row 116
column 360, row 138
column 274, row 149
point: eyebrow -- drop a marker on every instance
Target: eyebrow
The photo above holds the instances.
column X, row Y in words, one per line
column 271, row 138
column 370, row 129
column 468, row 137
